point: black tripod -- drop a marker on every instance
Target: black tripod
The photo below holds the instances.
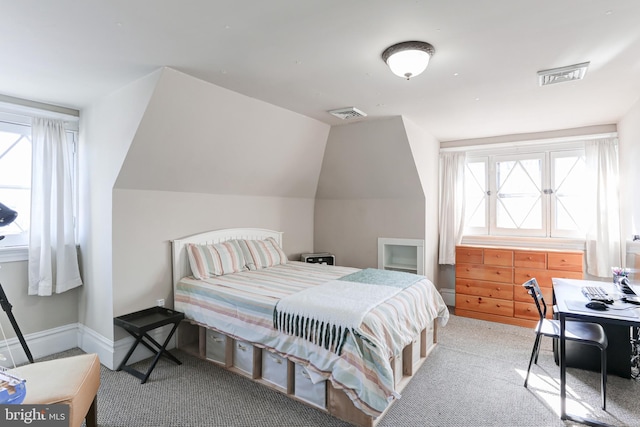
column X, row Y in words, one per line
column 6, row 306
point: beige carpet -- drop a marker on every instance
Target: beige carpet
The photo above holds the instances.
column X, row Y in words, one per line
column 473, row 378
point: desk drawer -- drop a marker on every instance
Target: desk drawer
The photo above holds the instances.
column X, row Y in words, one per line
column 485, row 305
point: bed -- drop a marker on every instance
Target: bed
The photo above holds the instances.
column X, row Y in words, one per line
column 354, row 373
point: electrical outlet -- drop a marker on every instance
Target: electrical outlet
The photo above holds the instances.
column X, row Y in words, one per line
column 160, row 302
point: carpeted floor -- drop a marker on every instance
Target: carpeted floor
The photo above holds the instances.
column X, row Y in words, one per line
column 473, row 378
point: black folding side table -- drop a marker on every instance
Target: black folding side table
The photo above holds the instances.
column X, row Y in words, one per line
column 138, row 325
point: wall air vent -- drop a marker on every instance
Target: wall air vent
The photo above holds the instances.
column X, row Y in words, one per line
column 347, row 113
column 562, row 74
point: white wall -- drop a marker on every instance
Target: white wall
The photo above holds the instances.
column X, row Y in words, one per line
column 629, row 146
column 369, row 187
column 33, row 313
column 106, row 131
column 146, row 221
column 426, row 151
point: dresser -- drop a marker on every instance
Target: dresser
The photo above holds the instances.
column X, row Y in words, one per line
column 489, row 281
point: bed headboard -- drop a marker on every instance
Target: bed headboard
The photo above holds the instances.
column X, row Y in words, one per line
column 180, row 260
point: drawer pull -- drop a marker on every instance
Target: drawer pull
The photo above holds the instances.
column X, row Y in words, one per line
column 242, row 347
column 217, row 340
column 498, row 273
column 498, row 289
column 529, row 258
column 498, row 305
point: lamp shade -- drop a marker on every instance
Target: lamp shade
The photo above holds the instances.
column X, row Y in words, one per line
column 7, row 216
column 408, row 59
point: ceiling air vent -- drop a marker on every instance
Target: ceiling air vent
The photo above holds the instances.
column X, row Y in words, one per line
column 562, row 74
column 347, row 113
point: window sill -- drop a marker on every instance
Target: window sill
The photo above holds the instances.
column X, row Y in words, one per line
column 525, row 242
column 14, row 253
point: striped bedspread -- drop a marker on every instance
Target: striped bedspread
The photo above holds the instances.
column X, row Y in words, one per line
column 241, row 305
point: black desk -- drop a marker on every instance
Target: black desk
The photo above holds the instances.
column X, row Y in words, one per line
column 138, row 324
column 569, row 303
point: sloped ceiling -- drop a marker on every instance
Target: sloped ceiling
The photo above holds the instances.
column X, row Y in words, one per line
column 198, row 137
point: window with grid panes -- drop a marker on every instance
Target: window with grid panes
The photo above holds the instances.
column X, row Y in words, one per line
column 534, row 194
column 15, row 178
column 15, row 181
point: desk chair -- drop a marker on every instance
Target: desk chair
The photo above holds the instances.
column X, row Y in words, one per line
column 583, row 332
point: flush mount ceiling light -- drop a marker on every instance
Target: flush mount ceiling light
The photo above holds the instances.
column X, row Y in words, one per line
column 408, row 59
column 563, row 74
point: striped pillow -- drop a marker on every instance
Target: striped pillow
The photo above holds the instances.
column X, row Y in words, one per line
column 215, row 260
column 262, row 253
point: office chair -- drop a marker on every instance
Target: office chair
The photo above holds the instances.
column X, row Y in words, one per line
column 583, row 332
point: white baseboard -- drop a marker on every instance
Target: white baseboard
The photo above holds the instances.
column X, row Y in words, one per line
column 449, row 296
column 40, row 344
column 66, row 337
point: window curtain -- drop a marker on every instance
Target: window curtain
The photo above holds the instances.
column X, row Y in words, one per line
column 603, row 244
column 451, row 223
column 53, row 259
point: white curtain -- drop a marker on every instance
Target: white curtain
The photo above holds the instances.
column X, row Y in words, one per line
column 53, row 259
column 451, row 224
column 603, row 245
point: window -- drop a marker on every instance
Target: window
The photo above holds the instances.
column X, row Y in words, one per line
column 534, row 194
column 15, row 181
column 15, row 177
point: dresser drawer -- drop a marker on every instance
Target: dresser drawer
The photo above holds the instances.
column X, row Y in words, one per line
column 521, row 294
column 543, row 276
column 485, row 272
column 568, row 261
column 498, row 257
column 529, row 311
column 468, row 255
column 485, row 305
column 484, row 289
column 530, row 259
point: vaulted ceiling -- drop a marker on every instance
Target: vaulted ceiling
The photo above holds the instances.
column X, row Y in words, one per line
column 313, row 56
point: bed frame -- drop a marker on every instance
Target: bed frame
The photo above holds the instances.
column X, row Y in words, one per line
column 192, row 338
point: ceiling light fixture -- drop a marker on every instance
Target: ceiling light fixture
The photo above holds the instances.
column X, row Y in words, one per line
column 408, row 59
